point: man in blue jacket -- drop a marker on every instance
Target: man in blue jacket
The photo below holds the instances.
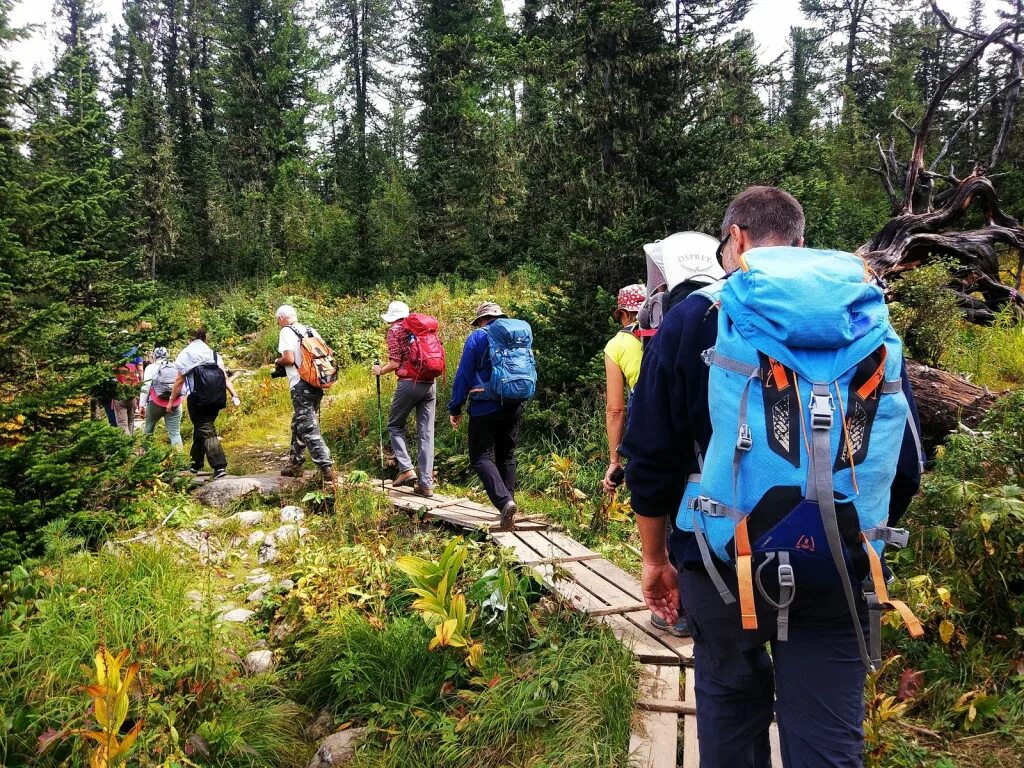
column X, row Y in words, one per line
column 814, row 681
column 493, row 426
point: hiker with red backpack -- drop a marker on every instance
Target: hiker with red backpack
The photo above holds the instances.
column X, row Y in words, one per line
column 781, row 395
column 308, row 364
column 416, row 357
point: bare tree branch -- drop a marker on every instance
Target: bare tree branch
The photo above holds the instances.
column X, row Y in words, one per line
column 967, row 121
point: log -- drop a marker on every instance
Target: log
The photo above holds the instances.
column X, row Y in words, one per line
column 944, row 399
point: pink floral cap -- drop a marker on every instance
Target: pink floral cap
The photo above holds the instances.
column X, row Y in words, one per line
column 631, row 298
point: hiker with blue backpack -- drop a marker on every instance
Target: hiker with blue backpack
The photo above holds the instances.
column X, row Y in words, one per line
column 497, row 375
column 781, row 395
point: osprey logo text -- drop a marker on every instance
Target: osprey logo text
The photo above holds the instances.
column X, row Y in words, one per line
column 805, row 543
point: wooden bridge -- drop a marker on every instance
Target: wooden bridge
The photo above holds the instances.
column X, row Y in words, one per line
column 600, row 588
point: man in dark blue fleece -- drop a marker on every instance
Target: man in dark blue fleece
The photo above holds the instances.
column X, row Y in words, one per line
column 493, row 426
column 814, row 681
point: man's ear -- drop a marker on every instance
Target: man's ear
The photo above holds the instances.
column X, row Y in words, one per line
column 800, row 243
column 741, row 240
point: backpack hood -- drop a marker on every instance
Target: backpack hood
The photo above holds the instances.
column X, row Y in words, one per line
column 812, row 310
column 418, row 324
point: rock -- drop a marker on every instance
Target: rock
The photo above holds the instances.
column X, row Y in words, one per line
column 258, row 595
column 286, row 584
column 292, row 514
column 256, row 537
column 258, row 576
column 280, row 632
column 258, row 662
column 220, row 493
column 200, row 543
column 195, row 597
column 337, row 749
column 267, row 553
column 205, row 523
column 237, row 615
column 248, row 518
column 321, row 726
column 288, row 533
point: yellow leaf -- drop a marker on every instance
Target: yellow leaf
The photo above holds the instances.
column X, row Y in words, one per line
column 944, row 595
column 986, row 522
column 946, row 631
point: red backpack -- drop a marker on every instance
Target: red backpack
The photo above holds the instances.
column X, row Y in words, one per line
column 426, row 353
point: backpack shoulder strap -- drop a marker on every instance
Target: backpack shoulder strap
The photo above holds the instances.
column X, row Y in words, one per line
column 712, row 292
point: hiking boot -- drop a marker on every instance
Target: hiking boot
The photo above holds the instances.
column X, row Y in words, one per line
column 405, row 478
column 421, row 490
column 219, row 473
column 508, row 513
column 680, row 629
column 292, row 470
column 328, row 474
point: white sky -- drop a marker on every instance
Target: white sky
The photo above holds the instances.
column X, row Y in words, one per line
column 770, row 21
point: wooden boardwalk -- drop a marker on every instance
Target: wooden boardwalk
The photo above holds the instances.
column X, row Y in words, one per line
column 593, row 584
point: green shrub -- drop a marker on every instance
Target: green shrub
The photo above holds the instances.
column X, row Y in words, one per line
column 925, row 313
column 90, row 474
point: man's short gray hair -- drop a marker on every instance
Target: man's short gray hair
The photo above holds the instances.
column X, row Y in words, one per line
column 287, row 312
column 768, row 214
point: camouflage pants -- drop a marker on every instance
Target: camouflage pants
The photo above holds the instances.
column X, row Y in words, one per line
column 306, row 426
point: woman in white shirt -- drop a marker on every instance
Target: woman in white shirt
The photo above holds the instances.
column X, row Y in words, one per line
column 154, row 397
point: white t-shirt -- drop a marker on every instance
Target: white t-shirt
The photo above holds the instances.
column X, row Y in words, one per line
column 288, row 341
column 194, row 354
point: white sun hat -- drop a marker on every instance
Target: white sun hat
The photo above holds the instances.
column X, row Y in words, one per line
column 681, row 257
column 397, row 310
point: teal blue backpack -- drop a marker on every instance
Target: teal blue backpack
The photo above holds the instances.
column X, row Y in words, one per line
column 513, row 369
column 808, row 416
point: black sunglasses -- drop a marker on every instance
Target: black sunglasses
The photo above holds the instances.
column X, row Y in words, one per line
column 724, row 240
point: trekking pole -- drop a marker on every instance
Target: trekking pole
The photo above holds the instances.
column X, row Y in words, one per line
column 380, row 431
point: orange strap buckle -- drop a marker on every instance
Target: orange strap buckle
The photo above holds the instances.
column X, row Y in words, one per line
column 745, row 576
column 882, row 592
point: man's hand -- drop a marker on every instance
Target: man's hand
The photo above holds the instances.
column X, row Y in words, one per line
column 661, row 590
column 455, row 420
column 609, row 483
column 235, row 401
column 376, row 369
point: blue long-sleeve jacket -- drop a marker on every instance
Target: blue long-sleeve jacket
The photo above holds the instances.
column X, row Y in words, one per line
column 474, row 371
column 669, row 411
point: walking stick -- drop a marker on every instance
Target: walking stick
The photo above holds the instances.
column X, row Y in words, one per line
column 380, row 431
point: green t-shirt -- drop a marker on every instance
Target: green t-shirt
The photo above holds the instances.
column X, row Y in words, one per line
column 626, row 351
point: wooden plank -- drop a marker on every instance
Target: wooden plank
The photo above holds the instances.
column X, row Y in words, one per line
column 511, row 540
column 595, row 585
column 546, row 547
column 681, row 646
column 644, row 647
column 559, row 560
column 628, row 608
column 653, row 744
column 620, row 578
column 568, row 545
column 666, row 705
column 691, row 751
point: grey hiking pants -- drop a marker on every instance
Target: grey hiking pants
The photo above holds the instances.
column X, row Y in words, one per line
column 421, row 395
column 306, row 426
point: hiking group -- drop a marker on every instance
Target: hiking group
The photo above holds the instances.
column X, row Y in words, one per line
column 760, row 413
column 496, row 376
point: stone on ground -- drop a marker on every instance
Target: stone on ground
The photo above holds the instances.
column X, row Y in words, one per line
column 221, row 493
column 249, row 518
column 267, row 553
column 337, row 749
column 288, row 533
column 237, row 615
column 292, row 514
column 256, row 537
column 258, row 595
column 258, row 662
column 258, row 576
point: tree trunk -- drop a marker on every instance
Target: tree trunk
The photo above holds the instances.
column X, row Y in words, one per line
column 944, row 399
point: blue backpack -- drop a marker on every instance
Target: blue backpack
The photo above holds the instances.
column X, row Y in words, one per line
column 513, row 370
column 808, row 416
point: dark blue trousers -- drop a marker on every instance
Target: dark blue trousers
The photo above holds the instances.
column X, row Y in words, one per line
column 814, row 681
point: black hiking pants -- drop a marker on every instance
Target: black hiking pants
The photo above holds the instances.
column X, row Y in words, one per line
column 205, row 443
column 492, row 451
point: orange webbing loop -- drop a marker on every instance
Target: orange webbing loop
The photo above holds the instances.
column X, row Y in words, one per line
column 779, row 374
column 875, row 381
column 882, row 592
column 745, row 576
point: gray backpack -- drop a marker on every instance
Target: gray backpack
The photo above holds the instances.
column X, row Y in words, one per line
column 163, row 381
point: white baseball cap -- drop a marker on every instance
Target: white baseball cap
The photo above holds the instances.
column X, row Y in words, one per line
column 397, row 310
